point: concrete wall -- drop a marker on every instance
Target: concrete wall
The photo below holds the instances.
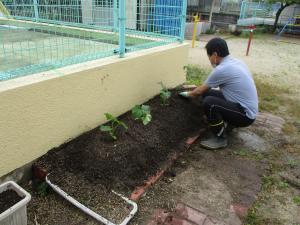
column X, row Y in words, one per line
column 42, row 111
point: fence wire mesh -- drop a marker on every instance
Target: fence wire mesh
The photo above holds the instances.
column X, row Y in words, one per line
column 40, row 35
column 257, row 13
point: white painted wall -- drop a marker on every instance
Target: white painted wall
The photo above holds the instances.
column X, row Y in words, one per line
column 42, row 111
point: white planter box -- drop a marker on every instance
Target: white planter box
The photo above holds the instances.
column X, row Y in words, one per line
column 17, row 214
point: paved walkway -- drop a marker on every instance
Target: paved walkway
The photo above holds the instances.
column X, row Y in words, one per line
column 183, row 215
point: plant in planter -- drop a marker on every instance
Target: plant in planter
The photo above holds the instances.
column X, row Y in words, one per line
column 114, row 124
column 143, row 113
column 13, row 202
column 165, row 94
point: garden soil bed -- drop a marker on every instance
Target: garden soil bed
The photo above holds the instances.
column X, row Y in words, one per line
column 8, row 199
column 92, row 165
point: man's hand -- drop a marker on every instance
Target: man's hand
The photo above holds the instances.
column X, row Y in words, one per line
column 184, row 94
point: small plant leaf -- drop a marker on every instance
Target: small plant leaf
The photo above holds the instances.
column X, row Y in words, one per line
column 114, row 124
column 168, row 94
column 109, row 116
column 142, row 113
column 137, row 113
column 147, row 119
column 146, row 108
column 106, row 128
column 112, row 134
column 165, row 94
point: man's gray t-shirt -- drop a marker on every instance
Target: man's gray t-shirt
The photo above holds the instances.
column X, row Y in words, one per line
column 236, row 83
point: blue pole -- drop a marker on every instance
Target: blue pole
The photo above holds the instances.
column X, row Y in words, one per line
column 183, row 18
column 115, row 15
column 36, row 11
column 122, row 20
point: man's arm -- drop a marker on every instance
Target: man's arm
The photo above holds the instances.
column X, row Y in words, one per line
column 198, row 91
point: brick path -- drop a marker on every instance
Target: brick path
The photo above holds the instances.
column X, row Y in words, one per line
column 182, row 215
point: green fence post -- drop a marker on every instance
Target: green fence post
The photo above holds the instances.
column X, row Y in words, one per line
column 122, row 21
column 115, row 15
column 183, row 20
column 36, row 11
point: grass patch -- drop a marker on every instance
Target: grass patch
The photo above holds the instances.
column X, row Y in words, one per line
column 249, row 154
column 289, row 128
column 258, row 32
column 280, row 101
column 296, row 200
column 251, row 218
column 293, row 107
column 283, row 185
column 292, row 164
column 270, row 96
column 195, row 74
column 268, row 182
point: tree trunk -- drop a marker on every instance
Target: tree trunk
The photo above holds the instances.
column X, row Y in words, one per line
column 283, row 6
column 211, row 10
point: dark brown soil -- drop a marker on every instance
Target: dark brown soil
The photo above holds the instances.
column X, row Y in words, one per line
column 93, row 164
column 8, row 199
column 136, row 154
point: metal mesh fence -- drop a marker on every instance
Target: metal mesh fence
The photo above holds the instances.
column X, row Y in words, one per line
column 40, row 35
column 203, row 7
column 257, row 13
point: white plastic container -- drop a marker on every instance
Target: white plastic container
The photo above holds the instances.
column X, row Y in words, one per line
column 17, row 214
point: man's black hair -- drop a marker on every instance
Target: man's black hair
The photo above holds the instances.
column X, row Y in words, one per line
column 217, row 45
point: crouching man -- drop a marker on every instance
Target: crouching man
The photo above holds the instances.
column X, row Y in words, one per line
column 234, row 103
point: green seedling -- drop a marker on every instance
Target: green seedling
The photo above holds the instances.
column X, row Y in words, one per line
column 165, row 94
column 114, row 124
column 143, row 113
column 42, row 189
